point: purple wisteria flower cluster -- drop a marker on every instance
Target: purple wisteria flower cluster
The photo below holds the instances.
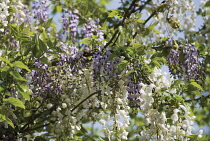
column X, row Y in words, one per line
column 105, row 68
column 49, row 80
column 44, row 82
column 174, row 63
column 93, row 28
column 133, row 85
column 191, row 67
column 70, row 20
column 40, row 9
column 98, row 62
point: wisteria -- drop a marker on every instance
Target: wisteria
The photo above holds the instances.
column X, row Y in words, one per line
column 174, row 63
column 134, row 87
column 4, row 13
column 40, row 10
column 101, row 71
column 70, row 22
column 89, row 29
column 192, row 65
column 191, row 68
column 73, row 24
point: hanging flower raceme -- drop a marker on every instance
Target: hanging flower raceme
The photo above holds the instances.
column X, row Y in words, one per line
column 133, row 86
column 158, row 124
column 174, row 63
column 73, row 24
column 192, row 66
column 40, row 9
column 4, row 13
column 70, row 20
column 21, row 13
column 93, row 28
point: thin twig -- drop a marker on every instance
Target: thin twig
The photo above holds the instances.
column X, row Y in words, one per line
column 116, row 38
column 33, row 117
column 85, row 100
column 145, row 22
column 197, row 99
column 143, row 6
column 110, row 41
column 127, row 14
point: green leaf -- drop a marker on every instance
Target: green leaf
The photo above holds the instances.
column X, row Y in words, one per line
column 121, row 66
column 10, row 122
column 138, row 15
column 26, row 47
column 24, row 91
column 39, row 47
column 5, row 68
column 152, row 26
column 114, row 12
column 196, row 85
column 59, row 8
column 86, row 41
column 43, row 46
column 48, row 23
column 5, row 60
column 4, row 118
column 176, row 83
column 1, row 89
column 21, row 65
column 139, row 21
column 130, row 51
column 181, row 57
column 156, row 63
column 196, row 93
column 15, row 102
column 17, row 76
column 207, row 4
column 45, row 60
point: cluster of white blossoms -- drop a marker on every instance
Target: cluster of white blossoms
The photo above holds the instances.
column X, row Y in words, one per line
column 169, row 17
column 118, row 118
column 167, row 124
column 175, row 14
column 4, row 13
column 63, row 117
column 18, row 16
column 63, row 123
column 74, row 104
column 185, row 11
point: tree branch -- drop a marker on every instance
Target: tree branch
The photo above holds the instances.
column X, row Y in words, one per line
column 32, row 117
column 127, row 14
column 197, row 99
column 143, row 6
column 85, row 100
column 32, row 129
column 153, row 13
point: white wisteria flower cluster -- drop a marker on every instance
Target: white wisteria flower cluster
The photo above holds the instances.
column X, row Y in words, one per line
column 19, row 13
column 170, row 123
column 4, row 13
column 175, row 14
